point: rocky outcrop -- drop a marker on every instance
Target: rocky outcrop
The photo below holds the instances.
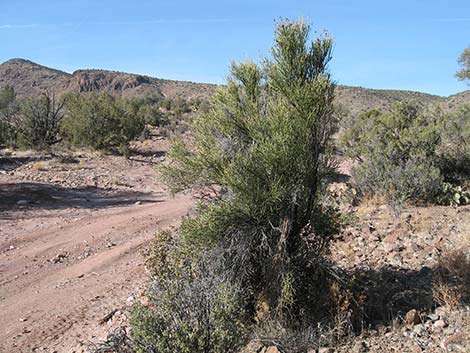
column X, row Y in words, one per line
column 112, row 82
column 31, row 79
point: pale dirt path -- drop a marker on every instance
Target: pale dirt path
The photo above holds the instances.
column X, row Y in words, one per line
column 51, row 304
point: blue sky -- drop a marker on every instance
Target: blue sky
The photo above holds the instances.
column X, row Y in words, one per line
column 411, row 44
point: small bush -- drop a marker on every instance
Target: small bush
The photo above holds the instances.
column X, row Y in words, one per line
column 7, row 134
column 39, row 120
column 101, row 121
column 397, row 154
column 452, row 195
column 454, row 150
column 39, row 166
column 192, row 310
column 451, row 284
column 8, row 110
column 152, row 115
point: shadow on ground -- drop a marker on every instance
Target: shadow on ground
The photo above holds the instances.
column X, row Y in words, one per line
column 386, row 294
column 20, row 196
column 10, row 163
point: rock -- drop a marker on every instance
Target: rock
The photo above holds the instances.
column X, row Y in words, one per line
column 389, row 248
column 323, row 350
column 138, row 203
column 360, row 347
column 272, row 349
column 415, row 349
column 110, row 244
column 439, row 325
column 412, row 317
column 441, row 310
column 253, row 346
column 391, row 238
column 419, row 329
column 59, row 258
column 455, row 343
column 108, row 317
column 433, row 317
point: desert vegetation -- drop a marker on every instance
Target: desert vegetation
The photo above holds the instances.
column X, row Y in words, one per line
column 262, row 153
column 315, row 226
column 409, row 155
column 464, row 61
column 95, row 120
column 254, row 259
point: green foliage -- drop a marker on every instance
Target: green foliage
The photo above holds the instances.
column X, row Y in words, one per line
column 453, row 195
column 152, row 115
column 38, row 122
column 454, row 150
column 191, row 311
column 8, row 110
column 264, row 147
column 7, row 98
column 101, row 121
column 397, row 154
column 464, row 62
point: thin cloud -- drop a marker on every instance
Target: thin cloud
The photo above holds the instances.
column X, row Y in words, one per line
column 17, row 26
column 452, row 19
column 168, row 21
column 123, row 23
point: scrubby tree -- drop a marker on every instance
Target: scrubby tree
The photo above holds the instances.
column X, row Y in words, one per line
column 7, row 98
column 8, row 110
column 38, row 122
column 264, row 150
column 464, row 62
column 101, row 121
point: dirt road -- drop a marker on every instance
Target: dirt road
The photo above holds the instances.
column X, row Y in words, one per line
column 68, row 261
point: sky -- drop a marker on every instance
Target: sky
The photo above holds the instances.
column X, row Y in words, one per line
column 412, row 44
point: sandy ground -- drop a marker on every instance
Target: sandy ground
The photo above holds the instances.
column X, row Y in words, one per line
column 71, row 250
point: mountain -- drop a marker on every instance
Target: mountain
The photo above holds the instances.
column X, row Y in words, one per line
column 29, row 78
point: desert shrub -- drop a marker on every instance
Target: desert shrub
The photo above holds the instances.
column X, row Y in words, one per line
column 7, row 134
column 264, row 149
column 101, row 121
column 451, row 282
column 454, row 150
column 39, row 120
column 8, row 110
column 166, row 103
column 397, row 154
column 452, row 195
column 191, row 310
column 180, row 106
column 152, row 115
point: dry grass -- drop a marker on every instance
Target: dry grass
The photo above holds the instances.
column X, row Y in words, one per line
column 39, row 166
column 370, row 203
column 452, row 278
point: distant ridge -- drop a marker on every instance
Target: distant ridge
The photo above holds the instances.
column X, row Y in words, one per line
column 29, row 78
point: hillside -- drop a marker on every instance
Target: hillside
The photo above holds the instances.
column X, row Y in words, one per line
column 29, row 79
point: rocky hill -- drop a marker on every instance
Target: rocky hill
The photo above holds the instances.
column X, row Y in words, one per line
column 29, row 79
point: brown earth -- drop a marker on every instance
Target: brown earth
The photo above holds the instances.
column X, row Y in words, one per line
column 71, row 234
